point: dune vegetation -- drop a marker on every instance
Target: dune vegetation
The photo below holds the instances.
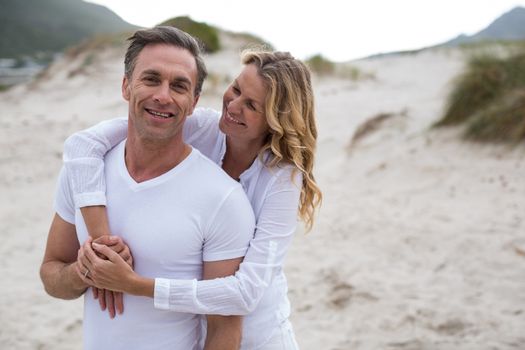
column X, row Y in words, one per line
column 489, row 99
column 320, row 65
column 208, row 35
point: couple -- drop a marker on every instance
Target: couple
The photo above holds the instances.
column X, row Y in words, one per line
column 186, row 223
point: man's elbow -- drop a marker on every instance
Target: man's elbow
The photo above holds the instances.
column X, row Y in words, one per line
column 50, row 280
column 46, row 278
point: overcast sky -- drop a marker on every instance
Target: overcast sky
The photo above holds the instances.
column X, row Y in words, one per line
column 339, row 29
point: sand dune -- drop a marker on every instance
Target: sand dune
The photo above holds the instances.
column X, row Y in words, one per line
column 420, row 243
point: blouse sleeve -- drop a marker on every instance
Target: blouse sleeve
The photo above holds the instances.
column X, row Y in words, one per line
column 83, row 158
column 240, row 294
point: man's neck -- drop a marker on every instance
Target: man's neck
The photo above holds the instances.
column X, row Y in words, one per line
column 146, row 160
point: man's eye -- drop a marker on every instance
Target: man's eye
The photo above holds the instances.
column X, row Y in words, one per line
column 150, row 80
column 179, row 87
column 236, row 90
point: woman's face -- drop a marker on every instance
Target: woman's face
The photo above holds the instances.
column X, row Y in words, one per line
column 243, row 112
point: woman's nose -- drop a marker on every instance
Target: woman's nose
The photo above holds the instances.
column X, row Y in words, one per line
column 234, row 105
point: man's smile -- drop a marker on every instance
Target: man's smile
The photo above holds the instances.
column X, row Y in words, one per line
column 164, row 115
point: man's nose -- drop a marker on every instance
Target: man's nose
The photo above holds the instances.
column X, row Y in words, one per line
column 162, row 94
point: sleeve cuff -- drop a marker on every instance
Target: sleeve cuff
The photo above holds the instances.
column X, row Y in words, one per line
column 90, row 199
column 179, row 292
column 161, row 295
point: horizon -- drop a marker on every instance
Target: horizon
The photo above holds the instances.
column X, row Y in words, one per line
column 410, row 24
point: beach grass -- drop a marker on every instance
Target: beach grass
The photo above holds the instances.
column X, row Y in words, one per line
column 208, row 35
column 488, row 98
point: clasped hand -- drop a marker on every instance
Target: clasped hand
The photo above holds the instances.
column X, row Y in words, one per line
column 110, row 265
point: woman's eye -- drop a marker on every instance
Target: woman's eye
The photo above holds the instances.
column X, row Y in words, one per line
column 236, row 90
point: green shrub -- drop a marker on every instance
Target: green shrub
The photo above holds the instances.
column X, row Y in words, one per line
column 353, row 73
column 489, row 99
column 207, row 34
column 483, row 82
column 504, row 121
column 320, row 65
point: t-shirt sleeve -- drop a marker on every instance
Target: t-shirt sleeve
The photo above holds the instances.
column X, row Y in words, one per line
column 63, row 204
column 83, row 157
column 230, row 228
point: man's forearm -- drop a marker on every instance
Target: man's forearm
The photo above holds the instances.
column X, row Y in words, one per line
column 61, row 280
column 223, row 333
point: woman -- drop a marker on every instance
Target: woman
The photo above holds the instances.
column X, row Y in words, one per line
column 265, row 138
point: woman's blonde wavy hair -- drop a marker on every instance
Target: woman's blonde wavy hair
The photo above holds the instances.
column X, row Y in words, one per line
column 290, row 115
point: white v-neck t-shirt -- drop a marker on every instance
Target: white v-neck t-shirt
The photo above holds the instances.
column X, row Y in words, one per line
column 172, row 223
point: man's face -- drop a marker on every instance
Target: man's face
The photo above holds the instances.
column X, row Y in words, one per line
column 161, row 92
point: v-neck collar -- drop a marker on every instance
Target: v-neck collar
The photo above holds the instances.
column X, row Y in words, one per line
column 137, row 186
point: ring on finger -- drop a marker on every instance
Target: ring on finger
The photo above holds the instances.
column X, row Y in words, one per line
column 86, row 273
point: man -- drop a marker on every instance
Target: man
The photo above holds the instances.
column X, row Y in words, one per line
column 179, row 213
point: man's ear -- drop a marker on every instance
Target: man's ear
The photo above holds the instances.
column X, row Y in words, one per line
column 125, row 88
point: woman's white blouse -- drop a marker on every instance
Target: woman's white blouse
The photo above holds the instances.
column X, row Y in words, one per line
column 258, row 289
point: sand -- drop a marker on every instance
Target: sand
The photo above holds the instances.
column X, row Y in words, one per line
column 420, row 243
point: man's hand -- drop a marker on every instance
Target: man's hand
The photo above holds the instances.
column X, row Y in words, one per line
column 114, row 301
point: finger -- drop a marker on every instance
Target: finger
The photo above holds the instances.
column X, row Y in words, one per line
column 83, row 260
column 95, row 292
column 79, row 271
column 82, row 273
column 130, row 261
column 119, row 302
column 90, row 241
column 102, row 299
column 91, row 254
column 118, row 247
column 125, row 255
column 111, row 303
column 106, row 240
column 110, row 254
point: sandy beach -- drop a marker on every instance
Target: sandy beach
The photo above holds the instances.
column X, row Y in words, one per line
column 419, row 244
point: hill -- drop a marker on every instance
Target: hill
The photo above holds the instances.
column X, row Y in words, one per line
column 29, row 27
column 509, row 26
